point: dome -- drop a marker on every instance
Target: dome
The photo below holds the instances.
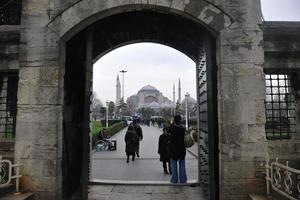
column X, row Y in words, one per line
column 189, row 99
column 148, row 88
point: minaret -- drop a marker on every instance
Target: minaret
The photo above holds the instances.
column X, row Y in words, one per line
column 179, row 91
column 173, row 93
column 118, row 91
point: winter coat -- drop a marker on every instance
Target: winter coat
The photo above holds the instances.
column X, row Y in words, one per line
column 177, row 147
column 164, row 148
column 138, row 131
column 131, row 141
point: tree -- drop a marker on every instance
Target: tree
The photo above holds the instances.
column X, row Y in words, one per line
column 103, row 112
column 125, row 110
column 166, row 112
column 146, row 112
column 131, row 105
column 111, row 108
column 178, row 110
column 95, row 106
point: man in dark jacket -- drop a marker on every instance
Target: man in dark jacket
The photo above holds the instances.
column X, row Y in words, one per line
column 139, row 133
column 131, row 140
column 164, row 150
column 177, row 151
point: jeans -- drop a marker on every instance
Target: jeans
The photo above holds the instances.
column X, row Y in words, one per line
column 182, row 172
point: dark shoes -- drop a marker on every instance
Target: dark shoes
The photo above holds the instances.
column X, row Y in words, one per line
column 128, row 159
column 137, row 155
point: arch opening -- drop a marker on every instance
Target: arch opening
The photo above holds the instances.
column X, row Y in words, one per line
column 152, row 77
column 103, row 36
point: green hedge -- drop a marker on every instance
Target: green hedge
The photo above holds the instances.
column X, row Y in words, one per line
column 115, row 128
column 95, row 126
column 110, row 121
column 112, row 130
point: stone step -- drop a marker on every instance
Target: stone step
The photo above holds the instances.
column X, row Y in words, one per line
column 7, row 190
column 258, row 197
column 21, row 196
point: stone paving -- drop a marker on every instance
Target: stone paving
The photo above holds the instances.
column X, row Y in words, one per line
column 110, row 169
column 118, row 192
column 111, row 165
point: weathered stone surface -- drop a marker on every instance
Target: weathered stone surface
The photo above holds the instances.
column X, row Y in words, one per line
column 39, row 184
column 39, row 113
column 43, row 133
column 238, row 170
column 164, row 3
column 46, row 24
column 48, row 167
column 39, row 95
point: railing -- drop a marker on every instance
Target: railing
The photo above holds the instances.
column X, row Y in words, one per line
column 283, row 179
column 6, row 173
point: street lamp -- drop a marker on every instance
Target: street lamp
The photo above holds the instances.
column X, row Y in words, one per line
column 123, row 72
column 107, row 102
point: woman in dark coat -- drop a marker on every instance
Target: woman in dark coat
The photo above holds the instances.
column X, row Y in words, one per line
column 164, row 150
column 131, row 141
column 177, row 151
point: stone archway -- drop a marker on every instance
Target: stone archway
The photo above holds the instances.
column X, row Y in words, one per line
column 230, row 36
column 117, row 30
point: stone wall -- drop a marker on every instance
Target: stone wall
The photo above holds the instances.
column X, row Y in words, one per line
column 47, row 24
column 39, row 119
column 241, row 102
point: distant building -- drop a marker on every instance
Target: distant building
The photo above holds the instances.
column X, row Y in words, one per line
column 149, row 97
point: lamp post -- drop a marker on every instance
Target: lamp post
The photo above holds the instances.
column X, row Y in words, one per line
column 123, row 72
column 107, row 102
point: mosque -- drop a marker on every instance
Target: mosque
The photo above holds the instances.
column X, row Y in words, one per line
column 150, row 97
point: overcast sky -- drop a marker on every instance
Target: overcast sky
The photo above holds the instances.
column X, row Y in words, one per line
column 162, row 66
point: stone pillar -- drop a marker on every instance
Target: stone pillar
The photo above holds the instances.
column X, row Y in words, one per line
column 39, row 117
column 241, row 102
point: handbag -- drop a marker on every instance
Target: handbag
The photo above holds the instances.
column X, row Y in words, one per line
column 188, row 140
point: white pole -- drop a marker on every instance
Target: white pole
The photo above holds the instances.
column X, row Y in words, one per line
column 106, row 114
column 17, row 175
column 186, row 111
column 123, row 99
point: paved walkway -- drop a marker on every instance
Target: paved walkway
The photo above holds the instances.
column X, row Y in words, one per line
column 111, row 165
column 110, row 168
column 117, row 192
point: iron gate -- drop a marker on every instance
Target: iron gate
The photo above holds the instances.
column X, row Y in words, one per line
column 207, row 123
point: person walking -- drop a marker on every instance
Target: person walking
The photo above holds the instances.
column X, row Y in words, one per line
column 177, row 151
column 139, row 133
column 131, row 141
column 164, row 150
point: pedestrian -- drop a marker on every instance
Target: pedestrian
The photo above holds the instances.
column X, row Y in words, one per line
column 100, row 135
column 164, row 150
column 131, row 141
column 139, row 133
column 177, row 151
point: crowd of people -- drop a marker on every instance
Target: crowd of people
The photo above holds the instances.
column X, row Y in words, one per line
column 171, row 148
